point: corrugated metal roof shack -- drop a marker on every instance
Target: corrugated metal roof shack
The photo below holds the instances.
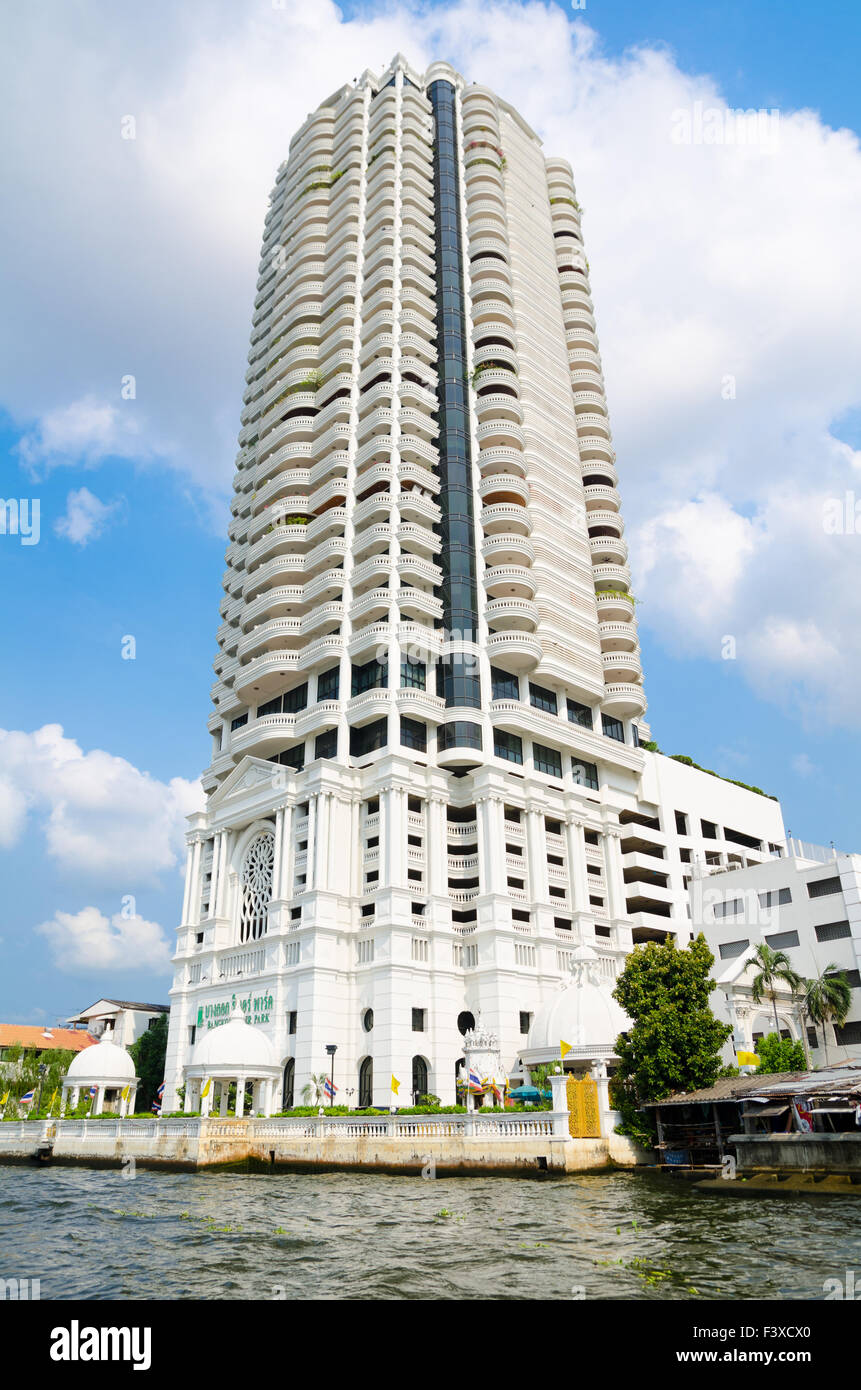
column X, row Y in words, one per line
column 697, row 1129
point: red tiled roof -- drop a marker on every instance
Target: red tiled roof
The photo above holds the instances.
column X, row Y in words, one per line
column 31, row 1035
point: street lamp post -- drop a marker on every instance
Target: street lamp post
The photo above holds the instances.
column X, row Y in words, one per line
column 42, row 1071
column 331, row 1049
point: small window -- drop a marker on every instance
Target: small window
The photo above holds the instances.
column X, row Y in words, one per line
column 413, row 674
column 503, row 686
column 547, row 760
column 562, row 923
column 296, row 699
column 780, row 940
column 368, row 738
column 775, row 897
column 328, row 683
column 292, row 1019
column 681, row 823
column 584, row 774
column 580, row 714
column 833, row 931
column 730, row 949
column 507, row 746
column 685, row 856
column 525, row 1022
column 731, row 908
column 709, row 829
column 459, row 735
column 823, row 887
column 419, row 1020
column 542, row 698
column 326, row 744
column 238, row 722
column 373, row 675
column 414, row 734
column 613, row 728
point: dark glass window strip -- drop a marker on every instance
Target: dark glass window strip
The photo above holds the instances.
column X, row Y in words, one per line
column 458, row 589
column 291, row 702
column 291, row 757
column 613, row 728
column 238, row 722
column 326, row 744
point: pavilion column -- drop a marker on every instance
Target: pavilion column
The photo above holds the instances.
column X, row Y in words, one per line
column 225, row 1088
column 187, row 1103
column 99, row 1101
column 240, row 1097
column 205, row 1100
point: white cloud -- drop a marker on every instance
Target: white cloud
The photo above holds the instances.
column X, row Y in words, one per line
column 85, row 941
column 708, row 262
column 85, row 518
column 100, row 815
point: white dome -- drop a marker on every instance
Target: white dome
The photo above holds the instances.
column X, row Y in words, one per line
column 583, row 1013
column 104, row 1061
column 234, row 1046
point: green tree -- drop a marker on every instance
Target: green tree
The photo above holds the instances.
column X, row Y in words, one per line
column 148, row 1055
column 827, row 999
column 772, row 968
column 780, row 1054
column 675, row 1042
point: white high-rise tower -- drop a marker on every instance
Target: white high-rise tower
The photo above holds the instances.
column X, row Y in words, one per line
column 427, row 785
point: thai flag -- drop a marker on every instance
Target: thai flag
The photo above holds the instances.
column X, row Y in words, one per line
column 92, row 1092
column 160, row 1091
column 329, row 1090
column 156, row 1108
column 474, row 1081
column 26, row 1099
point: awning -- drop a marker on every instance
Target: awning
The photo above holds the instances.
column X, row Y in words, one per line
column 764, row 1112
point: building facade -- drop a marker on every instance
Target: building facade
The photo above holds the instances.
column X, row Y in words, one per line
column 428, row 785
column 808, row 905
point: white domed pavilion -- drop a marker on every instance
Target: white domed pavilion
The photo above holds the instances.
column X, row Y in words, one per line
column 109, row 1072
column 583, row 1014
column 233, row 1053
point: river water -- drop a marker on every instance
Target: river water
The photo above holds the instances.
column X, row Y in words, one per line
column 90, row 1233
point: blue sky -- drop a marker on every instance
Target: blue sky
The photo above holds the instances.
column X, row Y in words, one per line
column 155, row 259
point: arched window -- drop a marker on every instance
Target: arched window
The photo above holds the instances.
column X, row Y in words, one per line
column 420, row 1078
column 366, row 1083
column 289, row 1075
column 256, row 886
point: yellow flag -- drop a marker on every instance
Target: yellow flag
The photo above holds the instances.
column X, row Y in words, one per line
column 564, row 1049
column 127, row 1090
column 5, row 1098
column 395, row 1084
column 205, row 1091
column 747, row 1059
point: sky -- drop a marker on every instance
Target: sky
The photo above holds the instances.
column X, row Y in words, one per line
column 139, row 147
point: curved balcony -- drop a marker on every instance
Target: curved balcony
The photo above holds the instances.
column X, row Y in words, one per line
column 617, row 636
column 501, row 459
column 263, row 674
column 493, row 408
column 589, row 425
column 509, row 581
column 623, row 699
column 607, row 550
column 416, row 507
column 519, row 614
column 498, row 518
column 622, row 666
column 503, row 488
column 417, row 570
column 372, row 511
column 601, row 499
column 520, row 651
column 499, row 433
column 373, row 572
column 614, row 605
column 508, row 549
column 415, row 603
column 595, row 449
column 589, row 401
column 419, row 452
column 609, row 576
column 418, row 538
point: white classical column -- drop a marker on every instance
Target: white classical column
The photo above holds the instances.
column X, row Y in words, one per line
column 613, row 872
column 189, row 869
column 491, row 844
column 221, row 891
column 277, row 852
column 285, row 887
column 240, row 1096
column 321, row 844
column 536, row 836
column 577, row 872
column 436, row 847
column 205, row 1100
column 192, row 911
column 99, row 1101
column 225, row 1088
column 311, row 854
column 187, row 1104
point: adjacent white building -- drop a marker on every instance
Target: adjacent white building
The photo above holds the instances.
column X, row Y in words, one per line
column 808, row 905
column 121, row 1021
column 428, row 786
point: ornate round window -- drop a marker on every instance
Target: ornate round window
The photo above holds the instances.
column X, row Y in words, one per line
column 465, row 1021
column 368, row 1020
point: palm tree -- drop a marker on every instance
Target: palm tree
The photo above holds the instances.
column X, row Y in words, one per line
column 772, row 968
column 313, row 1092
column 827, row 998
